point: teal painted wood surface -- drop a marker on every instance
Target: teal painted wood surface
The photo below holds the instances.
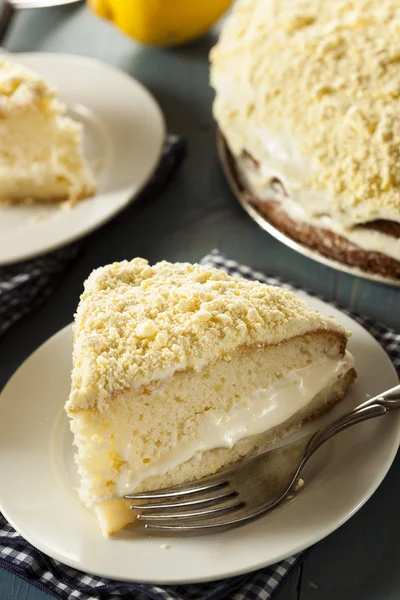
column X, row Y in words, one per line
column 14, row 588
column 198, row 213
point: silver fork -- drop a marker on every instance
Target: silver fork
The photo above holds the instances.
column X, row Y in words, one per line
column 250, row 489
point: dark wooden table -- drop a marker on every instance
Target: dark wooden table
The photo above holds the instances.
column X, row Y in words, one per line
column 198, row 213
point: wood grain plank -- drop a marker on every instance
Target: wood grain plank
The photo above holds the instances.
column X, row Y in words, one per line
column 377, row 301
column 14, row 588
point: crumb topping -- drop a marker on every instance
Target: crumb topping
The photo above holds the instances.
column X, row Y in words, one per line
column 22, row 91
column 326, row 73
column 137, row 323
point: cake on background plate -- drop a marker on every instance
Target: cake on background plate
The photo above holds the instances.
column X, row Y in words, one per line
column 180, row 370
column 41, row 149
column 308, row 102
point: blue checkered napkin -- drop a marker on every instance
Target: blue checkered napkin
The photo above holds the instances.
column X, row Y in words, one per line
column 19, row 557
column 25, row 286
column 63, row 582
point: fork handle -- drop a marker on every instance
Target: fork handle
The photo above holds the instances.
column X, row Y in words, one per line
column 363, row 414
column 375, row 407
column 389, row 399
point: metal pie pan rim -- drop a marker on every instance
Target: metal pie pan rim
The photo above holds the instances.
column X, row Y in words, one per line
column 282, row 237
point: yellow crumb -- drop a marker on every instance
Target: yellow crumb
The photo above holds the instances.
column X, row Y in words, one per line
column 326, row 73
column 129, row 334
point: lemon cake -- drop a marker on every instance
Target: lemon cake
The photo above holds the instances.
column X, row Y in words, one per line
column 180, row 370
column 308, row 102
column 41, row 154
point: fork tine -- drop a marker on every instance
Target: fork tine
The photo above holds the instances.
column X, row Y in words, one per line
column 199, row 514
column 178, row 491
column 189, row 504
column 198, row 527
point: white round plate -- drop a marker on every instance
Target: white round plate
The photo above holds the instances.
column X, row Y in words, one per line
column 123, row 135
column 40, row 501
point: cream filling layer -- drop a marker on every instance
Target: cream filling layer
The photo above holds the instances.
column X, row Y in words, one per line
column 267, row 408
column 304, row 205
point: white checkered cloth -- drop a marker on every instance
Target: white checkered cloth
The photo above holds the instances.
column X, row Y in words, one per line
column 21, row 558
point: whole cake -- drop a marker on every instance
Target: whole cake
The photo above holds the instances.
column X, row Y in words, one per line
column 180, row 370
column 308, row 103
column 41, row 154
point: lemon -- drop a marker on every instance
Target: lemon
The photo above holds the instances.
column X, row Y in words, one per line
column 161, row 22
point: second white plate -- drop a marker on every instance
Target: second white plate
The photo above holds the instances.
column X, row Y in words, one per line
column 123, row 131
column 40, row 499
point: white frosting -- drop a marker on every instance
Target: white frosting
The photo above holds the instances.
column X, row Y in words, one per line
column 304, row 204
column 267, row 408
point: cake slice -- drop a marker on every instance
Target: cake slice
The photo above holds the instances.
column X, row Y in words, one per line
column 41, row 154
column 180, row 370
